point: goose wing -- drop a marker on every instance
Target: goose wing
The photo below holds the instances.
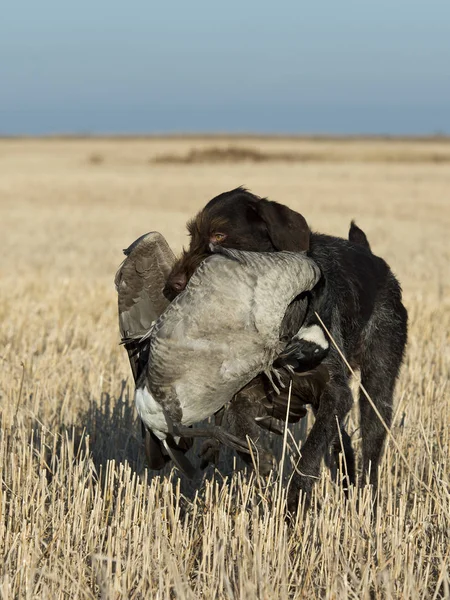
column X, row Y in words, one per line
column 139, row 283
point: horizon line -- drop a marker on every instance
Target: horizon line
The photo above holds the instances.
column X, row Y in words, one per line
column 444, row 137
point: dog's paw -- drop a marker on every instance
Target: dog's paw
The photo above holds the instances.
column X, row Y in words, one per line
column 209, row 452
column 299, row 495
column 263, row 461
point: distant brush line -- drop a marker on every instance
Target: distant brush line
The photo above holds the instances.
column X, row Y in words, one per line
column 230, row 154
column 237, row 154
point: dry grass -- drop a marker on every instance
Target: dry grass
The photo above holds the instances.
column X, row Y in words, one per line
column 80, row 517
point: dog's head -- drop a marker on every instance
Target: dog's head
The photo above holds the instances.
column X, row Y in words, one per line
column 240, row 220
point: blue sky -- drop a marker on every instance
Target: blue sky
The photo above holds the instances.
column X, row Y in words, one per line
column 287, row 67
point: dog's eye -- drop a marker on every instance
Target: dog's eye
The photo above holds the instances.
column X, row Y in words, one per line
column 218, row 237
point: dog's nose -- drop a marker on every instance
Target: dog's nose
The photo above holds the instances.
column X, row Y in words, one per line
column 179, row 282
column 174, row 286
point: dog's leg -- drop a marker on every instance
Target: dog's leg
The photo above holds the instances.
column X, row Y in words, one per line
column 210, row 449
column 385, row 343
column 380, row 389
column 342, row 446
column 335, row 402
column 240, row 420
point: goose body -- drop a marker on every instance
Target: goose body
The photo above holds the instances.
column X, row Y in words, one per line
column 217, row 335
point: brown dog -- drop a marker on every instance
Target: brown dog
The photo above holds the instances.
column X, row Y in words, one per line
column 358, row 299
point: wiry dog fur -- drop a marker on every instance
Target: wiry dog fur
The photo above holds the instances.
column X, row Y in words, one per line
column 358, row 298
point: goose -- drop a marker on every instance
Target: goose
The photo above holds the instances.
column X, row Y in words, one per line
column 215, row 337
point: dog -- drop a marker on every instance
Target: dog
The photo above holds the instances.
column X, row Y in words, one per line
column 359, row 301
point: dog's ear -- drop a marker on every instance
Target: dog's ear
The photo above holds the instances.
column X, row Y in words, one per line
column 287, row 229
column 357, row 236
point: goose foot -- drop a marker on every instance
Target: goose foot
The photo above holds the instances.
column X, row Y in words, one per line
column 218, row 434
column 270, row 424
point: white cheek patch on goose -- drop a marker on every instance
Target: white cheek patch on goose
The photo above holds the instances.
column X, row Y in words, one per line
column 313, row 334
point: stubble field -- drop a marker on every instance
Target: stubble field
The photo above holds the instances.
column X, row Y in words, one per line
column 80, row 516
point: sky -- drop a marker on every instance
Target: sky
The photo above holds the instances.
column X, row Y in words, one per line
column 289, row 67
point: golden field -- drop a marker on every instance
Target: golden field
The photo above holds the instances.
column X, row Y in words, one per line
column 80, row 517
